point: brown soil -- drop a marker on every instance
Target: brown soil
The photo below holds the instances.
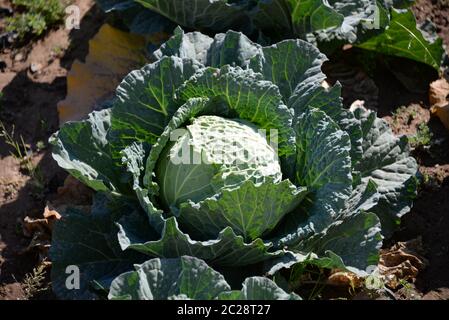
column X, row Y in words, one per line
column 429, row 217
column 436, row 11
column 29, row 104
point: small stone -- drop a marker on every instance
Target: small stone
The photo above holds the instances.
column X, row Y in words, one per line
column 35, row 67
column 18, row 57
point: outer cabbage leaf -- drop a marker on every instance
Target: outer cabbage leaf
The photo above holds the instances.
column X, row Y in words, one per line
column 387, row 163
column 82, row 148
column 137, row 20
column 355, row 234
column 323, row 165
column 89, row 242
column 162, row 279
column 188, row 278
column 259, row 288
column 356, row 239
column 312, row 15
column 192, row 45
column 288, row 63
column 145, row 101
column 311, row 94
column 403, row 39
column 214, row 15
column 295, row 67
column 351, row 242
column 232, row 48
column 227, row 249
column 369, row 24
column 250, row 210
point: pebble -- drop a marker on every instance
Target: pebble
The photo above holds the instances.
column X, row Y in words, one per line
column 35, row 67
column 18, row 57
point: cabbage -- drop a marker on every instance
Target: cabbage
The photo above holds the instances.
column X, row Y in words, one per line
column 211, row 155
column 287, row 176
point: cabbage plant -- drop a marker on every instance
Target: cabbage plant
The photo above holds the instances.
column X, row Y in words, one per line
column 219, row 165
column 383, row 26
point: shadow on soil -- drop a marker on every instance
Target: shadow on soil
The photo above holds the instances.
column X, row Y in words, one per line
column 31, row 107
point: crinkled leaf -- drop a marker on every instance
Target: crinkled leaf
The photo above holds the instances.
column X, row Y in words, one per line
column 250, row 210
column 259, row 288
column 252, row 98
column 145, row 101
column 288, row 63
column 192, row 45
column 213, row 15
column 363, row 198
column 161, row 279
column 355, row 235
column 82, row 148
column 136, row 18
column 323, row 165
column 192, row 108
column 311, row 94
column 295, row 66
column 88, row 242
column 356, row 239
column 227, row 249
column 232, row 48
column 387, row 163
column 311, row 15
column 403, row 39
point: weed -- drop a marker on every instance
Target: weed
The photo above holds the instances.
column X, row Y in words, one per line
column 396, row 115
column 411, row 116
column 408, row 289
column 35, row 17
column 422, row 138
column 23, row 155
column 40, row 145
column 305, row 274
column 44, row 125
column 57, row 51
column 34, row 282
column 20, row 148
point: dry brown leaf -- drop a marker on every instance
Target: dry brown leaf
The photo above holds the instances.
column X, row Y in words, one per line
column 439, row 100
column 402, row 262
column 73, row 194
column 39, row 230
column 345, row 279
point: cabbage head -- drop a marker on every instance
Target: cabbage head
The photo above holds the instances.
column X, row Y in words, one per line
column 217, row 166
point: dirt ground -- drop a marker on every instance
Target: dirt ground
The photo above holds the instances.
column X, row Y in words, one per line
column 30, row 99
column 29, row 103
